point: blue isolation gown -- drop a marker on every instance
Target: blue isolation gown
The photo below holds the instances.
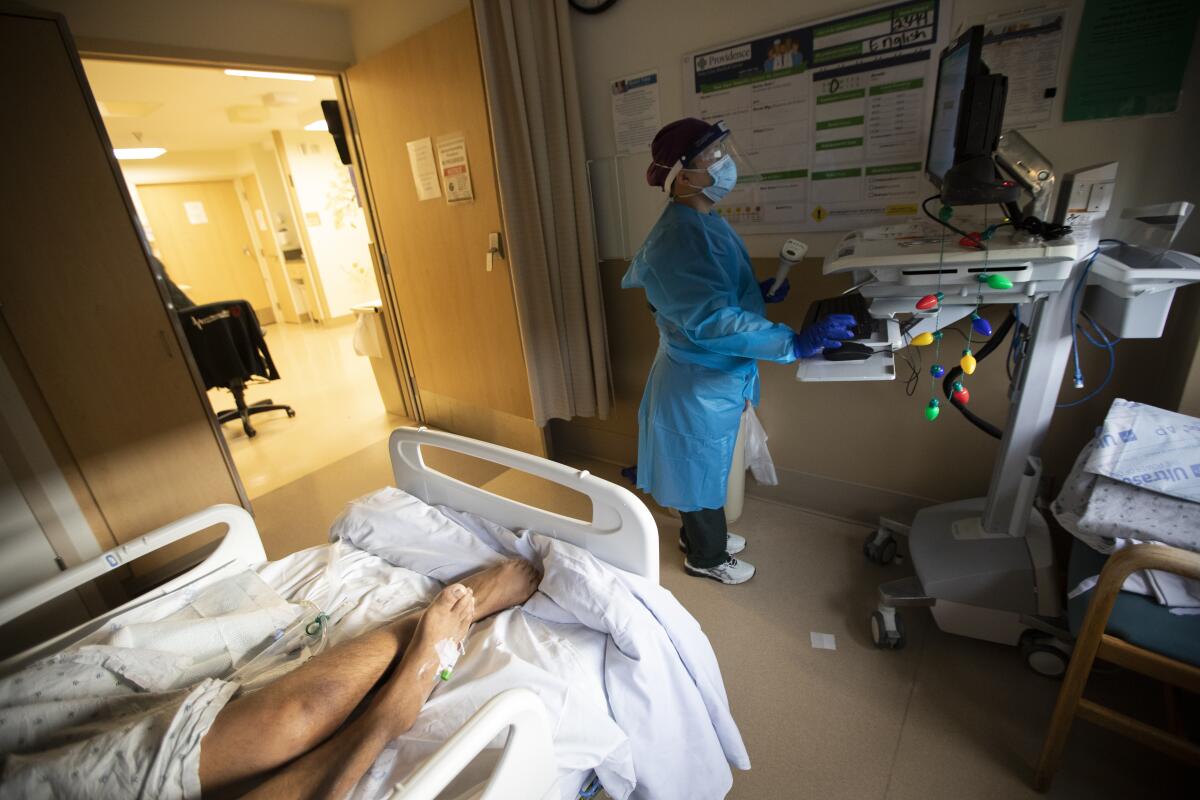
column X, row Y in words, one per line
column 709, row 309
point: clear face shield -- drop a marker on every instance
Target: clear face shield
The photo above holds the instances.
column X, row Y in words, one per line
column 714, row 170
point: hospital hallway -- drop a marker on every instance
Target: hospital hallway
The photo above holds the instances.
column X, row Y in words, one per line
column 332, row 389
column 946, row 718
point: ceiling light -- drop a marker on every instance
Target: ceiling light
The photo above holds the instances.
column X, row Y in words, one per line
column 319, row 125
column 282, row 76
column 138, row 153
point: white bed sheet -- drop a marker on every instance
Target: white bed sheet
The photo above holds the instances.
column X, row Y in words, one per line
column 1108, row 514
column 661, row 677
column 563, row 663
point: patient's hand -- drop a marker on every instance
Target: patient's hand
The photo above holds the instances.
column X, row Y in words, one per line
column 503, row 586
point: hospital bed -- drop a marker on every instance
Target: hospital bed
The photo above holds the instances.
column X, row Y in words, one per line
column 621, row 533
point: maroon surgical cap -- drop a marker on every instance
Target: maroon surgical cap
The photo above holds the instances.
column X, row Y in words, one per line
column 674, row 141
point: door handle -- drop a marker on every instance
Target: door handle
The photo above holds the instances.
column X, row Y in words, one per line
column 495, row 248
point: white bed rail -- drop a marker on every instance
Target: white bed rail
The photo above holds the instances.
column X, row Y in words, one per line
column 526, row 766
column 622, row 531
column 240, row 545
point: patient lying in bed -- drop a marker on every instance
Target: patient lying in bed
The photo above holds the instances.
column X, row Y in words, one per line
column 91, row 730
column 202, row 688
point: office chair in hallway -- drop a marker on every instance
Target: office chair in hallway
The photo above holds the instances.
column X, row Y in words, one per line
column 228, row 345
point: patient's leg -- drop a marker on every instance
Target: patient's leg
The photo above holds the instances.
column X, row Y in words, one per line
column 333, row 768
column 259, row 732
column 503, row 586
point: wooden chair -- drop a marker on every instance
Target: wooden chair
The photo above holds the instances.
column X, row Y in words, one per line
column 1093, row 643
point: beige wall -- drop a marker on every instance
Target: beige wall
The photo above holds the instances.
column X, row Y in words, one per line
column 1158, row 159
column 195, row 165
column 190, row 165
column 269, row 32
column 1183, row 380
column 861, row 449
column 377, row 24
column 270, row 178
column 336, row 225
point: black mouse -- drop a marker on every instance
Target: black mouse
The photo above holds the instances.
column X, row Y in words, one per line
column 849, row 351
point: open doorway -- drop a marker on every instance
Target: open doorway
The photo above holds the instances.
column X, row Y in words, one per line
column 243, row 197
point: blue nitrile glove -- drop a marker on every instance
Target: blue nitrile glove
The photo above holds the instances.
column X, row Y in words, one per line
column 826, row 333
column 780, row 293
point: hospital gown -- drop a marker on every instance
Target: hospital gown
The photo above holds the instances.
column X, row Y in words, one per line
column 121, row 713
column 712, row 331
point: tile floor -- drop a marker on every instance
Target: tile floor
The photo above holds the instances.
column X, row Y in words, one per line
column 946, row 717
column 337, row 403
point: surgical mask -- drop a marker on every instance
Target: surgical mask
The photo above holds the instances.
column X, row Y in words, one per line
column 724, row 174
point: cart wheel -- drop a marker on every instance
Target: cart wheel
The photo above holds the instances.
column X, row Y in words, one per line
column 887, row 552
column 251, row 433
column 1047, row 660
column 898, row 640
column 291, row 412
column 882, row 636
column 878, row 631
column 880, row 547
column 1043, row 654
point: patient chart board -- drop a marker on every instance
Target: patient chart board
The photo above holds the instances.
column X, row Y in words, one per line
column 833, row 116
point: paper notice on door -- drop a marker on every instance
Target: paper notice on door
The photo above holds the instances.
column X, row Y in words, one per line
column 635, row 112
column 456, row 172
column 424, row 169
column 196, row 214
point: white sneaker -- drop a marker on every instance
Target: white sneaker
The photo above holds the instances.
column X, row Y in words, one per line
column 731, row 572
column 734, row 544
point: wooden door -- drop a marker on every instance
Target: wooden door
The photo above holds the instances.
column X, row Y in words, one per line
column 268, row 249
column 84, row 306
column 459, row 319
column 200, row 232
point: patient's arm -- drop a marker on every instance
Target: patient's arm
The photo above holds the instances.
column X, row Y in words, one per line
column 333, row 768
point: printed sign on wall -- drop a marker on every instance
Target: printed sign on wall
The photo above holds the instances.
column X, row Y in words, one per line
column 196, row 214
column 635, row 112
column 456, row 172
column 424, row 169
column 833, row 117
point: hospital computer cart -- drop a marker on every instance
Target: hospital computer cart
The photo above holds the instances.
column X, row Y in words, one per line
column 985, row 566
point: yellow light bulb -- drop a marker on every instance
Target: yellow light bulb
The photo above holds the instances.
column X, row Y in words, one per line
column 922, row 339
column 968, row 364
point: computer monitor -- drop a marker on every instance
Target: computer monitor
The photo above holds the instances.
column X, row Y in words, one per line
column 957, row 63
column 968, row 110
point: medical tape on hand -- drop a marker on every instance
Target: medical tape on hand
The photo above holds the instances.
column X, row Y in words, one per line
column 447, row 652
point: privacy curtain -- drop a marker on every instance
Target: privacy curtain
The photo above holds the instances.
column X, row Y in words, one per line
column 533, row 101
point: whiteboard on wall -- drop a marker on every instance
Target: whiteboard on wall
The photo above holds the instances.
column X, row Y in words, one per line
column 833, row 116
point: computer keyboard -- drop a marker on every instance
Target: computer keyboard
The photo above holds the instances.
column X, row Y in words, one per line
column 853, row 304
